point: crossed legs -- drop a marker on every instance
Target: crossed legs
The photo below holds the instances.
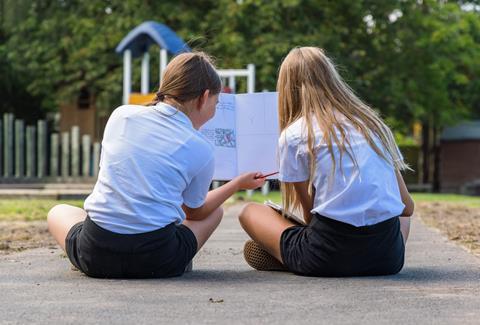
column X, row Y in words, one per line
column 203, row 229
column 61, row 218
column 265, row 226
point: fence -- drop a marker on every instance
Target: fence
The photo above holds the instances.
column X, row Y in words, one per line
column 33, row 154
column 30, row 153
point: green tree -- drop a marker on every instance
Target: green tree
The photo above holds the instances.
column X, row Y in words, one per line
column 414, row 61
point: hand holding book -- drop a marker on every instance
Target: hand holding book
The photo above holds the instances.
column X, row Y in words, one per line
column 290, row 216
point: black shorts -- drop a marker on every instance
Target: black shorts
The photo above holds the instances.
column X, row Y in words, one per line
column 104, row 254
column 327, row 247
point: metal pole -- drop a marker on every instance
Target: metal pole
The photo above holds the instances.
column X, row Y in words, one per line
column 232, row 84
column 163, row 62
column 127, row 75
column 251, row 78
column 145, row 73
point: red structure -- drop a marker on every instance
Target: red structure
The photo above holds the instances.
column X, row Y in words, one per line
column 460, row 159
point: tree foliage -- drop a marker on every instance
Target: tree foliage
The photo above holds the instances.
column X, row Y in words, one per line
column 413, row 60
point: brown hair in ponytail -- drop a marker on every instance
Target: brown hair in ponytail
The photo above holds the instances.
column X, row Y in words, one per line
column 187, row 77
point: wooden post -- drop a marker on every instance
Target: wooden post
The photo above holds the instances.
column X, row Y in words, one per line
column 65, row 154
column 30, row 152
column 19, row 149
column 54, row 143
column 266, row 188
column 1, row 148
column 249, row 193
column 96, row 158
column 8, row 144
column 41, row 148
column 86, row 144
column 75, row 151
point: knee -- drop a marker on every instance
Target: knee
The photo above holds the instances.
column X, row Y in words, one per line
column 219, row 212
column 247, row 213
column 217, row 215
column 55, row 212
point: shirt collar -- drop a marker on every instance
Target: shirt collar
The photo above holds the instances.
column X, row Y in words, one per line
column 172, row 112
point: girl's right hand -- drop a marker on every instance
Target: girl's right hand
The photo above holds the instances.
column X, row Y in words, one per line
column 249, row 181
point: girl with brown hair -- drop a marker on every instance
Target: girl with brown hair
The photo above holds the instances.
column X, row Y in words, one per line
column 150, row 210
column 340, row 166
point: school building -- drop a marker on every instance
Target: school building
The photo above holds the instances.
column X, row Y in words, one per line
column 460, row 158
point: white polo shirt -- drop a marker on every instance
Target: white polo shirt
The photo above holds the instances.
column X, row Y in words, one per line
column 152, row 162
column 359, row 196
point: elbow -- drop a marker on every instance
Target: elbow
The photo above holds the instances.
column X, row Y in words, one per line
column 196, row 216
column 409, row 209
column 193, row 213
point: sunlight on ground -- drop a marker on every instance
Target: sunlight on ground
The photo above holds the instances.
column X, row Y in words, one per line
column 473, row 201
column 36, row 209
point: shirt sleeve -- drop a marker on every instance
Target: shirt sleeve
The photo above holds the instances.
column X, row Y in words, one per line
column 293, row 161
column 196, row 192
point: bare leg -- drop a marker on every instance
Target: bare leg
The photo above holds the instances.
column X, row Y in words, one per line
column 405, row 228
column 203, row 229
column 61, row 218
column 265, row 226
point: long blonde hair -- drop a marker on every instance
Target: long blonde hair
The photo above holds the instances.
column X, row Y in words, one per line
column 309, row 87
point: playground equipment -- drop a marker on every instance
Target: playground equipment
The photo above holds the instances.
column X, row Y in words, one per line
column 136, row 44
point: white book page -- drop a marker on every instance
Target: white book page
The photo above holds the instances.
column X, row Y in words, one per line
column 257, row 132
column 221, row 132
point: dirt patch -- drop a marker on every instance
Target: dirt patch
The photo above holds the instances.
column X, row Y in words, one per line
column 460, row 223
column 20, row 235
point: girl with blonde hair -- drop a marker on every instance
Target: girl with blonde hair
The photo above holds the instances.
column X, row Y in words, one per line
column 340, row 166
column 151, row 211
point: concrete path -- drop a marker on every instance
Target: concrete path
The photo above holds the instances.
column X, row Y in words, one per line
column 440, row 284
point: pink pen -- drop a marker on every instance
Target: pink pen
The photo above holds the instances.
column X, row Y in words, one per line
column 264, row 176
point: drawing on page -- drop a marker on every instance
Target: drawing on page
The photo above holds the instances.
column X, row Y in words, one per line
column 226, row 105
column 209, row 134
column 225, row 138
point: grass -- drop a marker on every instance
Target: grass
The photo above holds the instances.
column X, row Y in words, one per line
column 471, row 201
column 258, row 197
column 29, row 210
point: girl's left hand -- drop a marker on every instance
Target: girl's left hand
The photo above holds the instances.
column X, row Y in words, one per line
column 249, row 181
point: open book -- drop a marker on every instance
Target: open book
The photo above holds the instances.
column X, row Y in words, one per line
column 245, row 134
column 290, row 216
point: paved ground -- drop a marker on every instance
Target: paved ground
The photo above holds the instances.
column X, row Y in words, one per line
column 440, row 284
